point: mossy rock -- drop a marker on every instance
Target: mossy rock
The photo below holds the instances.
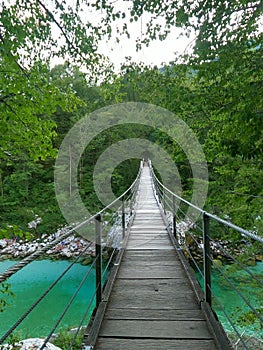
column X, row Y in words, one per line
column 87, row 261
column 217, row 263
column 251, row 262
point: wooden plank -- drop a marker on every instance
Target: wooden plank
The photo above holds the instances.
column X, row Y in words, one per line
column 153, row 294
column 132, row 262
column 148, row 209
column 153, row 236
column 148, row 245
column 155, row 329
column 153, row 344
column 152, row 304
column 148, row 227
column 154, row 314
column 153, row 301
column 143, row 219
column 154, row 239
column 155, row 272
column 150, row 260
column 147, row 232
column 92, row 331
column 160, row 285
column 150, row 254
column 141, row 257
column 149, row 241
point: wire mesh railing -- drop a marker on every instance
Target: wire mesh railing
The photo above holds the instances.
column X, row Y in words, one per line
column 105, row 231
column 230, row 272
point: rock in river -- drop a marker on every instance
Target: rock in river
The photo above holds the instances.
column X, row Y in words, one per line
column 31, row 344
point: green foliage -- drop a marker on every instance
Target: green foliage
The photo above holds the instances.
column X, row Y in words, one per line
column 248, row 318
column 65, row 338
column 213, row 23
column 5, row 294
column 217, row 93
column 27, row 101
column 13, row 231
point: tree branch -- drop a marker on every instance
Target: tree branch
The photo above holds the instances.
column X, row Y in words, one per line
column 10, row 54
column 3, row 98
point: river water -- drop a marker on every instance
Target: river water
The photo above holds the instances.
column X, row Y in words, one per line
column 234, row 305
column 29, row 283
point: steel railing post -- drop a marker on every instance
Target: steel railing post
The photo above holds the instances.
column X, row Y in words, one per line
column 98, row 260
column 123, row 217
column 174, row 218
column 207, row 259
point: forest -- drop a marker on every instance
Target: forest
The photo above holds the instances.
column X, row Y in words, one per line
column 216, row 89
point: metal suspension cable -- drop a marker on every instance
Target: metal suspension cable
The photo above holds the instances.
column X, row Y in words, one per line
column 194, row 261
column 86, row 275
column 237, row 262
column 229, row 319
column 68, row 305
column 165, row 195
column 32, row 307
column 17, row 267
column 237, row 291
column 224, row 222
column 90, row 303
column 82, row 321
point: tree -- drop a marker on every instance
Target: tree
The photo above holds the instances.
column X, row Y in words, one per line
column 28, row 96
column 215, row 23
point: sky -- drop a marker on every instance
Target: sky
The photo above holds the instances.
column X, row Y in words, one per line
column 157, row 52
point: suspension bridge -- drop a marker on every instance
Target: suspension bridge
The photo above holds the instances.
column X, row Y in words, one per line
column 151, row 298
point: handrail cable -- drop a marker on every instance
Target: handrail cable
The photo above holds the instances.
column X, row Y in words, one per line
column 32, row 307
column 212, row 216
column 228, row 318
column 238, row 263
column 90, row 303
column 68, row 305
column 109, row 262
column 82, row 320
column 165, row 197
column 71, row 301
column 223, row 250
column 238, row 292
column 17, row 267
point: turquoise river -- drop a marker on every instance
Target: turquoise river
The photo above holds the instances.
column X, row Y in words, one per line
column 29, row 283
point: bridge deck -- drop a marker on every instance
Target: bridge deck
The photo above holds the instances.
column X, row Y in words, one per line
column 152, row 304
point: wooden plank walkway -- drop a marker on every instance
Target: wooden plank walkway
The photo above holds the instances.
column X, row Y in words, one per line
column 152, row 304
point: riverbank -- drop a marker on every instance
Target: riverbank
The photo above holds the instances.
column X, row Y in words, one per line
column 68, row 248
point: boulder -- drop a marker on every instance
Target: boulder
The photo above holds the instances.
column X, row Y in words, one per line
column 35, row 344
column 66, row 252
column 30, row 344
column 3, row 243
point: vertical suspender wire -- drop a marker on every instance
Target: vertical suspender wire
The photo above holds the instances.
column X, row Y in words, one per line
column 67, row 306
column 21, row 319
